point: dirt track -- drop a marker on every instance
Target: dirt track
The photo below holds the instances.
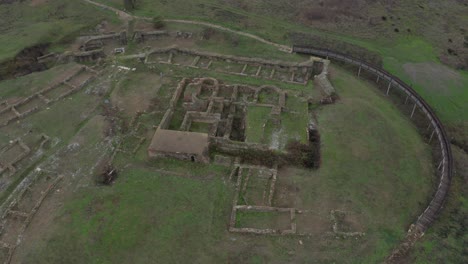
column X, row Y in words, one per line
column 126, row 16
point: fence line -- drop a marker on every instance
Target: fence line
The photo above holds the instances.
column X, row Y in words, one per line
column 444, row 166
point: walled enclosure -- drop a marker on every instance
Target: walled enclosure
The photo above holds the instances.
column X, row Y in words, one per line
column 206, row 100
column 221, row 126
column 443, row 158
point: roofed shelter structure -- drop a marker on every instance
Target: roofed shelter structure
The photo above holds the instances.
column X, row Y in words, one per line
column 183, row 145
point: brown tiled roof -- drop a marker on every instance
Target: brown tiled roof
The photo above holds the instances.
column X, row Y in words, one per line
column 172, row 141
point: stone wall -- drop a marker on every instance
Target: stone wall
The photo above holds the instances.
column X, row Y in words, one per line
column 289, row 72
column 324, row 83
column 44, row 100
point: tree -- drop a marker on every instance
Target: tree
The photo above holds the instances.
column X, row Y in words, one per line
column 129, row 4
column 158, row 22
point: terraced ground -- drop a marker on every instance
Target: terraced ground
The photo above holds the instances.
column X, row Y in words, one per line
column 157, row 206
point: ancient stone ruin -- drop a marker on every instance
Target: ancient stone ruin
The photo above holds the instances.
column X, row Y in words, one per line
column 217, row 108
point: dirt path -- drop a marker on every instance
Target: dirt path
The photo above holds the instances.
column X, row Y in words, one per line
column 125, row 16
column 279, row 46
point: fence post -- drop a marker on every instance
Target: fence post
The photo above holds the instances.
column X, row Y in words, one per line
column 440, row 164
column 429, row 125
column 432, row 135
column 414, row 109
column 445, row 165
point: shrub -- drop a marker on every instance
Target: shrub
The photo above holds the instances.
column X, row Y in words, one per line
column 207, row 33
column 158, row 22
column 306, row 155
column 129, row 4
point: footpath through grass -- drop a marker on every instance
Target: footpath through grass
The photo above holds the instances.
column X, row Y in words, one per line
column 395, row 51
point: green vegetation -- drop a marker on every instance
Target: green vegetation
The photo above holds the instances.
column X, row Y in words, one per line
column 200, row 127
column 261, row 128
column 157, row 206
column 146, row 216
column 60, row 121
column 62, row 118
column 55, row 22
column 353, row 169
column 295, row 120
column 395, row 50
column 129, row 4
column 29, row 84
column 445, row 241
column 135, row 92
column 158, row 22
column 263, row 220
column 374, row 163
column 214, row 40
column 257, row 117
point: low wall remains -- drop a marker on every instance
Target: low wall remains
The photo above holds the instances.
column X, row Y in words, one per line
column 444, row 165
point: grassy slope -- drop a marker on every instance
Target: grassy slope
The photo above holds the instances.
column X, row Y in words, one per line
column 151, row 215
column 217, row 42
column 395, row 50
column 27, row 85
column 373, row 161
column 418, row 51
column 22, row 25
column 146, row 215
column 60, row 120
column 451, row 106
column 446, row 241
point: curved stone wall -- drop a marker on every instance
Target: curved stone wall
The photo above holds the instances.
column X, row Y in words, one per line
column 444, row 166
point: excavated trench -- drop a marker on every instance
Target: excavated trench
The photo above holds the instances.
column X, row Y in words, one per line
column 25, row 62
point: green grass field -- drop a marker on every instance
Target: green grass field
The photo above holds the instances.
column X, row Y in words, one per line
column 260, row 127
column 373, row 161
column 257, row 117
column 295, row 120
column 57, row 22
column 60, row 120
column 27, row 85
column 148, row 216
column 396, row 50
column 176, row 211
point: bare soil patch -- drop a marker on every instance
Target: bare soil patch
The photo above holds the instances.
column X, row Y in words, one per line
column 138, row 94
column 264, row 220
column 312, row 223
column 11, row 230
